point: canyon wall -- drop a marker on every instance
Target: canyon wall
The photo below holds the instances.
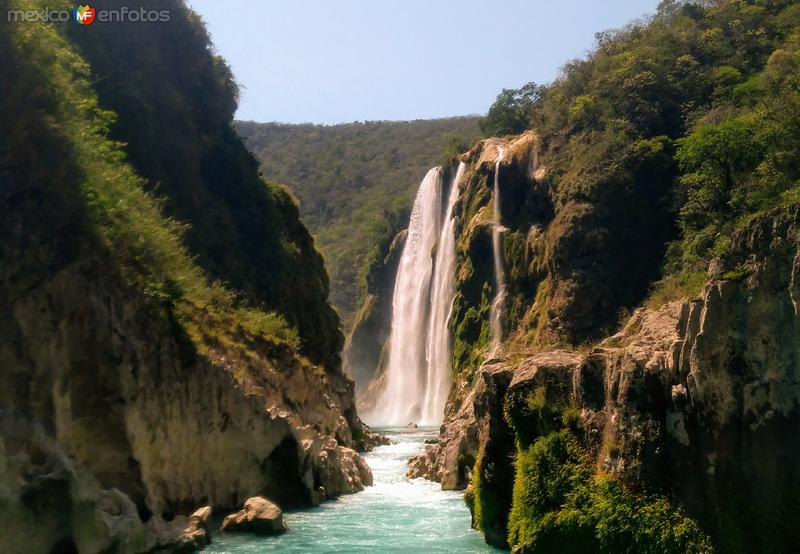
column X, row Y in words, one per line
column 693, row 402
column 136, row 385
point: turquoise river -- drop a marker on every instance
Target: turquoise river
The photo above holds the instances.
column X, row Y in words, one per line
column 394, row 515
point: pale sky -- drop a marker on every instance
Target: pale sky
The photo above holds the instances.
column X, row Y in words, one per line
column 334, row 61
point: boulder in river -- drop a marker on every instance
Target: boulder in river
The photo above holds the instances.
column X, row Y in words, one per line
column 411, row 425
column 259, row 516
column 195, row 534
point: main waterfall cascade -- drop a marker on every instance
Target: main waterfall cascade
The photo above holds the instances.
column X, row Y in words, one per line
column 438, row 352
column 417, row 379
column 498, row 304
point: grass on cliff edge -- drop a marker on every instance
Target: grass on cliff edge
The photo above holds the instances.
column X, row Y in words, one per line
column 145, row 247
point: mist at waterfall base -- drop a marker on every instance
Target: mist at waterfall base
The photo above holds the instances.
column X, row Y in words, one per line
column 394, row 515
column 417, row 375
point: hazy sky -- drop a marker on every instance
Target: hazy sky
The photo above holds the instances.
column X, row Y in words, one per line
column 333, row 61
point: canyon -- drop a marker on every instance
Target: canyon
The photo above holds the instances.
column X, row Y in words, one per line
column 581, row 336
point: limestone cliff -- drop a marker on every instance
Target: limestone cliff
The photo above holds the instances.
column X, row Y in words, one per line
column 694, row 402
column 570, row 264
column 134, row 386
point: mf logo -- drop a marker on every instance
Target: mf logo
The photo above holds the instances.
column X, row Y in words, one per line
column 83, row 15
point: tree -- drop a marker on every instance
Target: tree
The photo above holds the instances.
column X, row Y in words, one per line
column 716, row 159
column 513, row 110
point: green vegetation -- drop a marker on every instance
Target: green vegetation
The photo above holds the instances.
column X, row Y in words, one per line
column 560, row 501
column 472, row 334
column 689, row 117
column 92, row 206
column 355, row 183
column 173, row 101
column 512, row 111
column 674, row 133
column 560, row 504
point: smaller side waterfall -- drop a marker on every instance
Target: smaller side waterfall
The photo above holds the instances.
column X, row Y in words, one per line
column 498, row 304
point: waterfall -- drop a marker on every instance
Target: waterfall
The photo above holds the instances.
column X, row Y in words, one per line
column 417, row 372
column 438, row 351
column 498, row 304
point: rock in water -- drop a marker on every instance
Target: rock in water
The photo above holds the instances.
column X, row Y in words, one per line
column 259, row 516
column 196, row 534
column 411, row 425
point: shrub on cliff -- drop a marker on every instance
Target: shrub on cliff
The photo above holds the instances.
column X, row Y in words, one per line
column 560, row 504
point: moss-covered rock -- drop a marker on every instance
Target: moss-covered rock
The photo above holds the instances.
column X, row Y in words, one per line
column 560, row 504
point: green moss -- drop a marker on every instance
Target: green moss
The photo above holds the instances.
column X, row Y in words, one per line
column 676, row 287
column 562, row 504
column 560, row 500
column 472, row 333
column 534, row 415
column 736, row 274
column 493, row 478
column 484, row 510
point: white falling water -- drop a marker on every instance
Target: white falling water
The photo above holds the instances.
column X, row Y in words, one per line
column 498, row 304
column 417, row 372
column 437, row 386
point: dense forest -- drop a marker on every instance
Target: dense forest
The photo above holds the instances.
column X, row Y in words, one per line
column 354, row 180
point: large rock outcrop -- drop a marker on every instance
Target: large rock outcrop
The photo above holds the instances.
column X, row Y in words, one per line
column 572, row 262
column 162, row 388
column 695, row 401
column 51, row 504
column 171, row 422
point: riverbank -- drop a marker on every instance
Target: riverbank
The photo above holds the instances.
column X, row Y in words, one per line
column 397, row 514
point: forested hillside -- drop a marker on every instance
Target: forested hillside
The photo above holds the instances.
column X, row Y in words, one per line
column 677, row 129
column 355, row 183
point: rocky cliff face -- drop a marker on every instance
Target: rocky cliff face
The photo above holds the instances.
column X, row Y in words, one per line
column 694, row 402
column 150, row 412
column 133, row 387
column 570, row 262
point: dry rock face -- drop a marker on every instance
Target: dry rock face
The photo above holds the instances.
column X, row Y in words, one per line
column 196, row 534
column 696, row 400
column 50, row 503
column 169, row 426
column 259, row 516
